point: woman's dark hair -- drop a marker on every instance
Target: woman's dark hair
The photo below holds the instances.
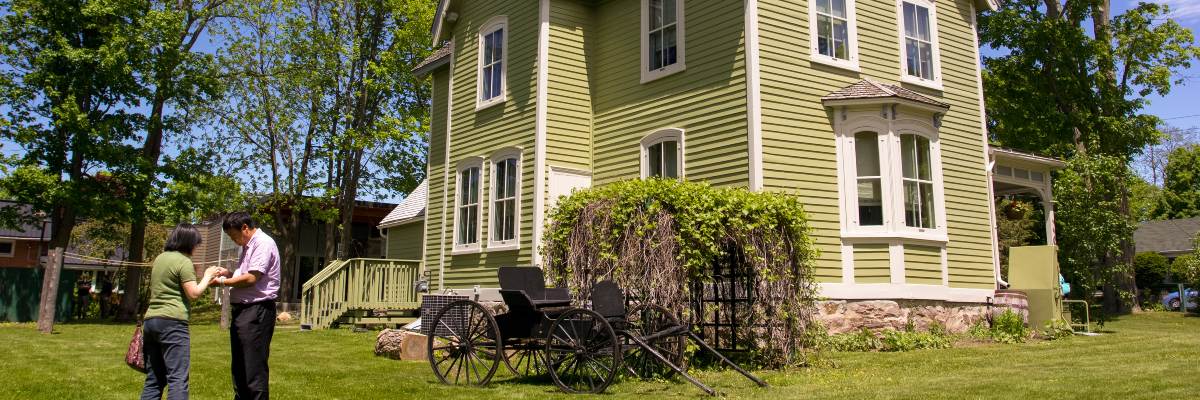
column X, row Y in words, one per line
column 184, row 238
column 235, row 220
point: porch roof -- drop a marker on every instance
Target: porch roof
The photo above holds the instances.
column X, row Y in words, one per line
column 411, row 209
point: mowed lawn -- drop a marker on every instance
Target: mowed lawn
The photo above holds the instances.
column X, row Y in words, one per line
column 1152, row 356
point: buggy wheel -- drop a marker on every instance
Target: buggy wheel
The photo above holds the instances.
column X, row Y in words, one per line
column 526, row 359
column 582, row 352
column 646, row 320
column 464, row 344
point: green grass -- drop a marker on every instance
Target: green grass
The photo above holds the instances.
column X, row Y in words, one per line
column 1151, row 355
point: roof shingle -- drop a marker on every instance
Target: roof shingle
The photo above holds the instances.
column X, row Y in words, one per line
column 1169, row 236
column 410, row 209
column 868, row 89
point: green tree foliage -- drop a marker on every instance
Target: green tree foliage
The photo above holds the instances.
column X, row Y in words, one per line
column 66, row 82
column 1073, row 83
column 1150, row 269
column 1143, row 199
column 1092, row 225
column 1180, row 197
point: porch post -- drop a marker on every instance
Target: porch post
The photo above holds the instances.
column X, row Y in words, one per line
column 1048, row 206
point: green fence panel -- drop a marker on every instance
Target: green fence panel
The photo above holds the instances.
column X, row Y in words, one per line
column 21, row 290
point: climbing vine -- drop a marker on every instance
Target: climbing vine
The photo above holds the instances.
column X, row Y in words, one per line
column 653, row 237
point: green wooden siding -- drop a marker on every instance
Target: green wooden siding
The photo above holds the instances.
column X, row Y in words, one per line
column 872, row 263
column 479, row 133
column 923, row 265
column 404, row 241
column 568, row 85
column 799, row 153
column 707, row 99
column 436, row 176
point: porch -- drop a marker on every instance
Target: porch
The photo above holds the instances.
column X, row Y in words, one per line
column 361, row 291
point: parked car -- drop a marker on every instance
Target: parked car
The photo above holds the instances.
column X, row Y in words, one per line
column 1171, row 300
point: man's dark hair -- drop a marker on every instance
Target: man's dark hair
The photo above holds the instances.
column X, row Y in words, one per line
column 235, row 220
column 184, row 238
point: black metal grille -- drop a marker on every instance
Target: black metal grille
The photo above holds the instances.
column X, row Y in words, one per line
column 431, row 304
column 720, row 307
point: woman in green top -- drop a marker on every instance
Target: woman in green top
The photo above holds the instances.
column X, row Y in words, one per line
column 166, row 343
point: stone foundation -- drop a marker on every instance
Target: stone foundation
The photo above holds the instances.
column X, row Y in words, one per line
column 843, row 316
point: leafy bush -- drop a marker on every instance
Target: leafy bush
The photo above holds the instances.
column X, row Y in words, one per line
column 1057, row 329
column 863, row 340
column 890, row 340
column 654, row 237
column 1008, row 327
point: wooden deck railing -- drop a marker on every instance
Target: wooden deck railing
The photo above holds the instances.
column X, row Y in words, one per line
column 358, row 284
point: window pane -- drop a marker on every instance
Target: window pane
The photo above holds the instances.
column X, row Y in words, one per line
column 870, row 202
column 823, row 7
column 486, row 86
column 487, row 45
column 668, row 12
column 908, row 155
column 924, row 168
column 474, row 180
column 498, row 220
column 911, row 56
column 462, row 225
column 498, row 44
column 839, row 8
column 656, row 48
column 511, row 178
column 472, row 224
column 840, row 35
column 497, row 79
column 825, row 35
column 922, row 23
column 656, row 14
column 669, row 40
column 926, row 60
column 912, row 212
column 910, row 20
column 866, row 153
column 670, row 159
column 654, row 159
column 510, row 220
column 927, row 220
column 464, row 187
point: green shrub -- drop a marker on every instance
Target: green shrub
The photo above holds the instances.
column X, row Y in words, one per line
column 1057, row 329
column 1008, row 327
column 890, row 340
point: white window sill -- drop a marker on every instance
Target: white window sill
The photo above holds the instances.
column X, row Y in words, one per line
column 672, row 69
column 849, row 65
column 503, row 246
column 485, row 104
column 473, row 249
column 936, row 237
column 935, row 84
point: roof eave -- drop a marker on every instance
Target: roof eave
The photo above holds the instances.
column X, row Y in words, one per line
column 426, row 69
column 399, row 222
column 439, row 16
column 885, row 100
column 1053, row 164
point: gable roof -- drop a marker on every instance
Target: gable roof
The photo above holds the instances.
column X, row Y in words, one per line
column 438, row 58
column 1165, row 237
column 410, row 210
column 868, row 89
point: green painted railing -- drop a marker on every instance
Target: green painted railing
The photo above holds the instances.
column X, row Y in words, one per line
column 358, row 284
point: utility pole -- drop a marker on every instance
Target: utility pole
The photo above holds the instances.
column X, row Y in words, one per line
column 49, row 300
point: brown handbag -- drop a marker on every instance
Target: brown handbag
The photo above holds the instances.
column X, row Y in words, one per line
column 133, row 356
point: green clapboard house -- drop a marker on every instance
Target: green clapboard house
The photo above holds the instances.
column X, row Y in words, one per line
column 870, row 110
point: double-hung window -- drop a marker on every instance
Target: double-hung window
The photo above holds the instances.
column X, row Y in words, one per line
column 505, row 200
column 833, row 34
column 918, row 181
column 918, row 43
column 891, row 180
column 492, row 62
column 662, row 38
column 466, row 227
column 662, row 154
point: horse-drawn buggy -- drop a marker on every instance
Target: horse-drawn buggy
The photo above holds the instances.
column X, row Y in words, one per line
column 583, row 349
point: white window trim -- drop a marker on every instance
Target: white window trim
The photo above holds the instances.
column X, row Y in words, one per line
column 889, row 130
column 515, row 242
column 851, row 40
column 657, row 137
column 497, row 22
column 473, row 162
column 12, row 248
column 679, row 65
column 936, row 82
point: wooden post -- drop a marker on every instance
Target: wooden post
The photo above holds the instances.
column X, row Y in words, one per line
column 49, row 300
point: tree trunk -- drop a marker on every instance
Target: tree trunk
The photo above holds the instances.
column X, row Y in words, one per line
column 137, row 225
